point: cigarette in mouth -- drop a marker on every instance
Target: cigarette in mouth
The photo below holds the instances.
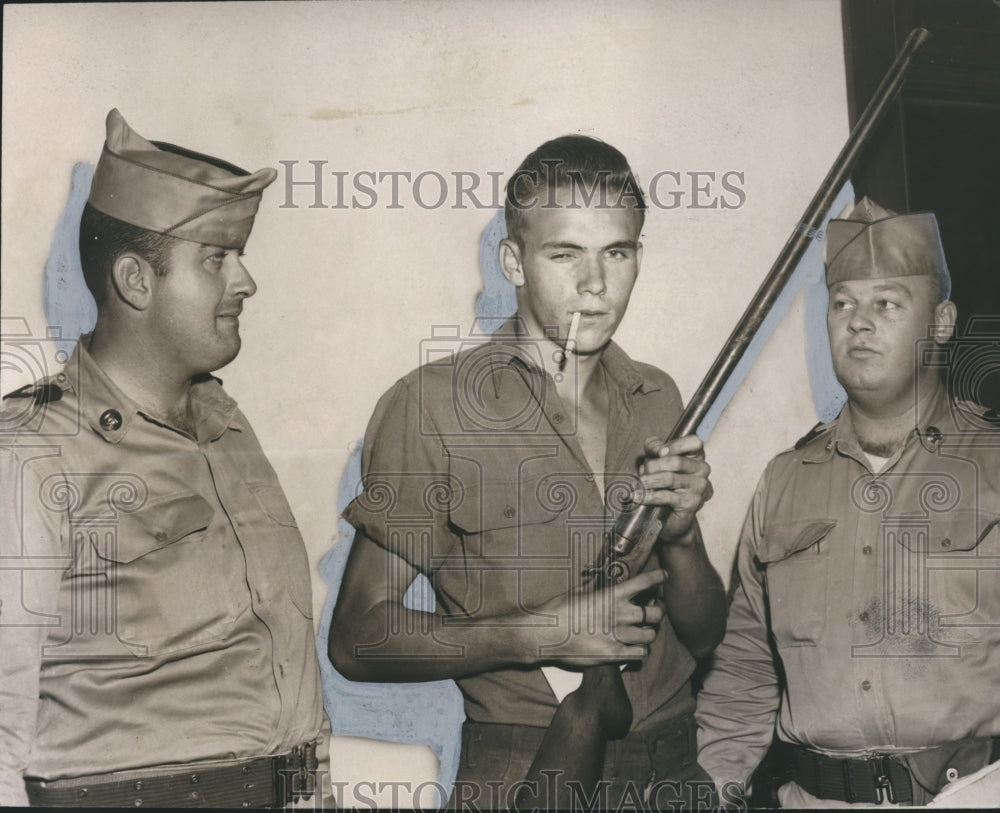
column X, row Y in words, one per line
column 574, row 326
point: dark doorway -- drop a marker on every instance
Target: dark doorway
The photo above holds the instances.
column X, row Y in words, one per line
column 939, row 150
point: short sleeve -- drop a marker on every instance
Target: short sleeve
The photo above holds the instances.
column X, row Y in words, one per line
column 407, row 489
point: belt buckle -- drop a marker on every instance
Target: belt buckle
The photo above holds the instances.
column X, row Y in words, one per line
column 295, row 773
column 884, row 790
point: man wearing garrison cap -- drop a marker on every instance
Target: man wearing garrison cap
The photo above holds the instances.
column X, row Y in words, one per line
column 864, row 629
column 156, row 635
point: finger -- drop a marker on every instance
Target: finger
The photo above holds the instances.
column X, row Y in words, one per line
column 674, row 481
column 633, row 653
column 679, row 502
column 683, row 465
column 654, row 613
column 637, row 584
column 634, row 636
column 653, row 445
column 674, row 491
column 646, row 615
column 689, row 444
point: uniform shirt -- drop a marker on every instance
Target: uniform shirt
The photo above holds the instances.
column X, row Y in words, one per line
column 156, row 591
column 474, row 476
column 881, row 590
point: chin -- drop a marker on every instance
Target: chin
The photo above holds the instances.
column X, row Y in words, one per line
column 223, row 357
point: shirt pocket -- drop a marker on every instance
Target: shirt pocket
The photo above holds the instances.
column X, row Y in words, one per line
column 499, row 505
column 959, row 553
column 796, row 559
column 161, row 577
column 290, row 548
column 515, row 554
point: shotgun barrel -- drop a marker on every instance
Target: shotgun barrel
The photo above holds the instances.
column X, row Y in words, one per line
column 629, row 524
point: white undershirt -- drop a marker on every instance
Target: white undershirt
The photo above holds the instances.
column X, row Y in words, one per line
column 877, row 463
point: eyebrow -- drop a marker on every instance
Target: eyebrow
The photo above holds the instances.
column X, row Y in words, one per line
column 893, row 286
column 212, row 248
column 841, row 288
column 576, row 247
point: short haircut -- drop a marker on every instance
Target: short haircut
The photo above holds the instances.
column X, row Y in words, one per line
column 103, row 239
column 592, row 169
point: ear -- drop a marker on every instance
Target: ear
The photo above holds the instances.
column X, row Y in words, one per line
column 945, row 316
column 510, row 262
column 132, row 276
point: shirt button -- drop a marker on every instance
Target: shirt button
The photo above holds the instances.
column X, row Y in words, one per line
column 866, row 685
column 509, row 511
column 946, row 542
column 589, row 478
column 867, row 550
column 864, row 616
column 111, row 419
column 557, row 418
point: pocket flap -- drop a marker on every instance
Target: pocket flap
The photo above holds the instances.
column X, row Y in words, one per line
column 272, row 500
column 785, row 539
column 154, row 526
column 961, row 529
column 496, row 505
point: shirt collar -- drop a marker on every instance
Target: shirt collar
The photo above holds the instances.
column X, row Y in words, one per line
column 111, row 413
column 934, row 420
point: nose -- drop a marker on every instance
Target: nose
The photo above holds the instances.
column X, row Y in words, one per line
column 243, row 284
column 860, row 321
column 591, row 278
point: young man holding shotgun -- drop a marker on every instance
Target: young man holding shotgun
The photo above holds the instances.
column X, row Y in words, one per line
column 498, row 473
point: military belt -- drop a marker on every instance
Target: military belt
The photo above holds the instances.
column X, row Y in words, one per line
column 871, row 779
column 261, row 782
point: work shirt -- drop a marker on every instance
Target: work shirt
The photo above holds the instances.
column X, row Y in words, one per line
column 156, row 591
column 474, row 476
column 882, row 593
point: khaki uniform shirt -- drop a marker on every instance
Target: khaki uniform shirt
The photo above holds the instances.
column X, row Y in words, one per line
column 473, row 475
column 881, row 592
column 156, row 591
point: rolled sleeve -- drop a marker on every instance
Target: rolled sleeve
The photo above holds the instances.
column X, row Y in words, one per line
column 408, row 489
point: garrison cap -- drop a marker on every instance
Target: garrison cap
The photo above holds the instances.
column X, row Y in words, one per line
column 872, row 243
column 174, row 191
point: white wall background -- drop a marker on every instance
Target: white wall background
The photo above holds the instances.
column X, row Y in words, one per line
column 345, row 296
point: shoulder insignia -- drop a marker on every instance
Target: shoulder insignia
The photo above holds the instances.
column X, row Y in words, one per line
column 42, row 393
column 815, row 432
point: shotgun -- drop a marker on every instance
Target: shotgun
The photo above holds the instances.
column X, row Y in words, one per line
column 573, row 749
